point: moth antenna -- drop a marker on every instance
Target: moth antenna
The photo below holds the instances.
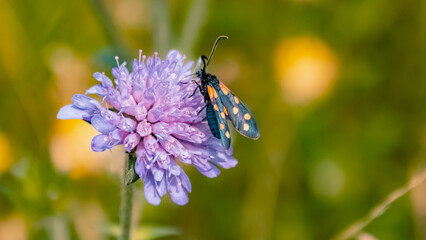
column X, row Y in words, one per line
column 214, row 48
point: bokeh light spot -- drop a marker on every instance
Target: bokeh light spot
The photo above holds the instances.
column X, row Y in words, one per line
column 5, row 154
column 305, row 69
column 71, row 152
column 327, row 179
column 14, row 228
column 88, row 219
column 69, row 70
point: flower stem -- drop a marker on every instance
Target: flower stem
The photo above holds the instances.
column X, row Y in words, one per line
column 126, row 201
column 354, row 229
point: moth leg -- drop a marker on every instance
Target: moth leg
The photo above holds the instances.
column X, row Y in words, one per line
column 198, row 114
column 195, row 90
column 201, row 109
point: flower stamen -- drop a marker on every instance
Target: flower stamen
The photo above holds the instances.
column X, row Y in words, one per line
column 116, row 60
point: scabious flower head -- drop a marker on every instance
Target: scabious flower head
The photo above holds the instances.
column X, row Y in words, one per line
column 150, row 111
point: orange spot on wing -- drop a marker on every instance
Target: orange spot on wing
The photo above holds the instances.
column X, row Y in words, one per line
column 235, row 110
column 224, row 89
column 216, row 107
column 212, row 91
column 236, row 100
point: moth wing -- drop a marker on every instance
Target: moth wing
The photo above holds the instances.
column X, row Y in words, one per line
column 212, row 120
column 239, row 114
column 220, row 113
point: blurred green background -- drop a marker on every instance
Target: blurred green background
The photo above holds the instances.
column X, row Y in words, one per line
column 337, row 87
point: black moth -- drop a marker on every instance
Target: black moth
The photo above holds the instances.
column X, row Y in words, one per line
column 222, row 104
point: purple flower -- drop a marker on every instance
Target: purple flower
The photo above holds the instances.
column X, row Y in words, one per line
column 149, row 111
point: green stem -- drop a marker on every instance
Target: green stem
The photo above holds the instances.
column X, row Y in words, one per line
column 126, row 201
column 354, row 229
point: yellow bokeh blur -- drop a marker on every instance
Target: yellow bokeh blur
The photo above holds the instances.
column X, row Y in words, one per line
column 6, row 158
column 13, row 228
column 88, row 219
column 305, row 69
column 70, row 71
column 71, row 152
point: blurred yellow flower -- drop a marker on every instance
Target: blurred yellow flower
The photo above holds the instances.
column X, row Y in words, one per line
column 88, row 219
column 71, row 153
column 5, row 153
column 13, row 228
column 305, row 69
column 70, row 71
column 130, row 14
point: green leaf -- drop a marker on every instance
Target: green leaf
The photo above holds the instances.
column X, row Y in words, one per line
column 131, row 176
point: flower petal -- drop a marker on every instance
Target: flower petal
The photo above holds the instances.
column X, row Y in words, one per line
column 177, row 193
column 98, row 89
column 127, row 124
column 105, row 81
column 207, row 169
column 157, row 172
column 144, row 128
column 150, row 190
column 72, row 112
column 162, row 187
column 131, row 141
column 101, row 124
column 83, row 102
column 185, row 181
column 155, row 114
column 140, row 112
column 100, row 143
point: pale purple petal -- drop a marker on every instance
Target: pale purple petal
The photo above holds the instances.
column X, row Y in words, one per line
column 140, row 112
column 105, row 81
column 127, row 124
column 101, row 124
column 155, row 114
column 118, row 136
column 185, row 181
column 206, row 168
column 150, row 190
column 84, row 102
column 150, row 144
column 100, row 143
column 97, row 89
column 162, row 187
column 72, row 112
column 158, row 173
column 131, row 141
column 144, row 128
column 177, row 192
